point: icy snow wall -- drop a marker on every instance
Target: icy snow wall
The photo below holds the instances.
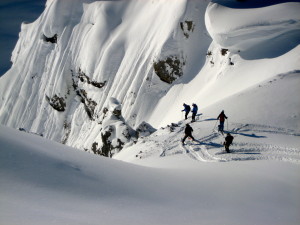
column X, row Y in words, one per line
column 79, row 55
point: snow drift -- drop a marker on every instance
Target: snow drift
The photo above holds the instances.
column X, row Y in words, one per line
column 49, row 183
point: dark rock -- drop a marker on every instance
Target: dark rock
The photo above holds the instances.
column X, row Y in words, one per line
column 144, row 129
column 50, row 39
column 224, row 51
column 187, row 27
column 57, row 103
column 169, row 70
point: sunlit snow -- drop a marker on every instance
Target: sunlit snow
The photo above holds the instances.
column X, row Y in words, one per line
column 100, row 76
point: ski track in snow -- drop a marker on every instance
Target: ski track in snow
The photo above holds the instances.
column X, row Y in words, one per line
column 209, row 147
column 200, row 153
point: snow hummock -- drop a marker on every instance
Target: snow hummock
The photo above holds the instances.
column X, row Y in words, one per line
column 43, row 182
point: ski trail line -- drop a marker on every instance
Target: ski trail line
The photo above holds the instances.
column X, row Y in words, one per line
column 200, row 153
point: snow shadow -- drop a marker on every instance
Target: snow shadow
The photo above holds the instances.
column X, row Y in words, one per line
column 273, row 48
column 245, row 152
column 248, row 135
column 210, row 119
column 212, row 144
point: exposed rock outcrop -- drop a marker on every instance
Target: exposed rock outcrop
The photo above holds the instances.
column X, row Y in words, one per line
column 144, row 129
column 169, row 69
column 57, row 103
column 187, row 27
column 116, row 132
column 52, row 40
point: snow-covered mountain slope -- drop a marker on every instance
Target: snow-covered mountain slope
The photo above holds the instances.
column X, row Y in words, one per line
column 77, row 55
column 87, row 74
column 250, row 46
column 43, row 182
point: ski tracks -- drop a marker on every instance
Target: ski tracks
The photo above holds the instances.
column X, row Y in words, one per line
column 246, row 151
column 199, row 152
column 210, row 148
column 252, row 142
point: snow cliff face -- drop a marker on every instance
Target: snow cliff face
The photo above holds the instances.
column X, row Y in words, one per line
column 88, row 73
column 70, row 62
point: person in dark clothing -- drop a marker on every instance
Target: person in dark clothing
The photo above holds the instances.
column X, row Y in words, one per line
column 194, row 112
column 228, row 142
column 186, row 109
column 188, row 133
column 222, row 118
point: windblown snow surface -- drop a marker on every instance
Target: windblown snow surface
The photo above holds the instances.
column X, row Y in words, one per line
column 157, row 180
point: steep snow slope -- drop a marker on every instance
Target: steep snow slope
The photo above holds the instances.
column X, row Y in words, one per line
column 104, row 49
column 43, row 182
column 249, row 47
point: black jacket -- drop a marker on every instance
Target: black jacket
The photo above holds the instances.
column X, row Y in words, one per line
column 188, row 130
column 229, row 139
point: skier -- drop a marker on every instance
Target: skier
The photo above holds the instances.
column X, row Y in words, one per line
column 228, row 142
column 188, row 133
column 194, row 111
column 222, row 118
column 187, row 109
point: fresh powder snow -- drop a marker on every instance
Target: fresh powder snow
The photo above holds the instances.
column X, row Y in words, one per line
column 109, row 78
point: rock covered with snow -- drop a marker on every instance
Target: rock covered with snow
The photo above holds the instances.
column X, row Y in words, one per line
column 144, row 129
column 116, row 132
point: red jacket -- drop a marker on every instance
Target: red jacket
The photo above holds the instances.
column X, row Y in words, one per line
column 222, row 117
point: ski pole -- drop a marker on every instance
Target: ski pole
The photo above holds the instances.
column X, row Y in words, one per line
column 227, row 125
column 215, row 125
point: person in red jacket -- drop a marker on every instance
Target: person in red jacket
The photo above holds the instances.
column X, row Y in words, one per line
column 222, row 118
